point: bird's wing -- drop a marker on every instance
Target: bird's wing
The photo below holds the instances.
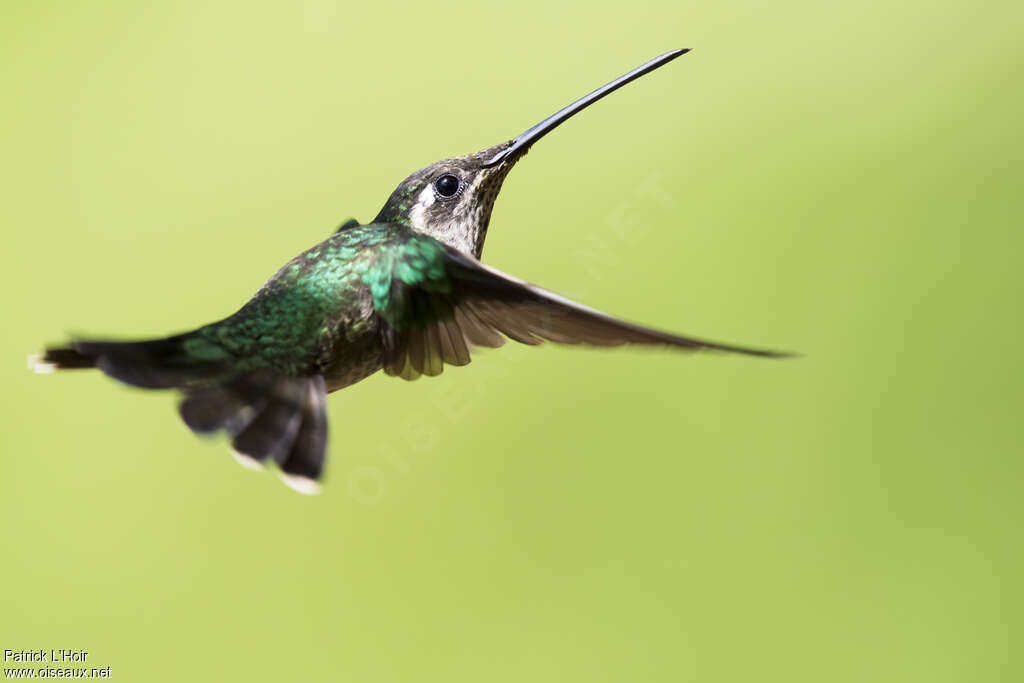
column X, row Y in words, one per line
column 350, row 223
column 436, row 303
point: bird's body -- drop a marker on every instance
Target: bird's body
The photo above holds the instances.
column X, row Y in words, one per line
column 323, row 312
column 405, row 293
column 316, row 314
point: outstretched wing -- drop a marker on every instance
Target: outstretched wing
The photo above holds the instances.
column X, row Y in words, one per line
column 436, row 303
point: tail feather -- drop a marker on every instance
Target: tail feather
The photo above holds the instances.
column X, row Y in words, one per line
column 62, row 358
column 270, row 435
column 152, row 364
column 209, row 409
column 306, row 458
column 270, row 417
column 230, row 406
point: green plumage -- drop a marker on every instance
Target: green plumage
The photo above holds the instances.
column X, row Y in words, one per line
column 405, row 293
column 326, row 300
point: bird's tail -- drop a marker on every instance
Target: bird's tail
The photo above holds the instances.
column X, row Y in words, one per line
column 269, row 416
column 166, row 363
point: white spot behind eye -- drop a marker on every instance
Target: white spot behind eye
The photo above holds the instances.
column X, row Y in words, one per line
column 424, row 201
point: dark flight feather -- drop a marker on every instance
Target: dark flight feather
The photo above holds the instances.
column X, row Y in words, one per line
column 480, row 306
column 65, row 358
column 308, row 451
column 152, row 364
column 271, row 434
column 270, row 416
column 211, row 409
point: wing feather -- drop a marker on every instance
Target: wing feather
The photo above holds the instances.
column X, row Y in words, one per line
column 465, row 303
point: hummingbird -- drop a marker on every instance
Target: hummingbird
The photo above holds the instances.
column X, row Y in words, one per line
column 405, row 293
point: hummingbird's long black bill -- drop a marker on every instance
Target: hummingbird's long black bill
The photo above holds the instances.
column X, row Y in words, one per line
column 531, row 135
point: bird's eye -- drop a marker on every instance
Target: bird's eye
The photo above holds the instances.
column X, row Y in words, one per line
column 447, row 185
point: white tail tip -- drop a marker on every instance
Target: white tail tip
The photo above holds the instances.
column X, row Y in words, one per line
column 37, row 364
column 304, row 485
column 247, row 462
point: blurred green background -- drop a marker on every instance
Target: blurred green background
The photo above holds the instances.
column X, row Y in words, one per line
column 840, row 179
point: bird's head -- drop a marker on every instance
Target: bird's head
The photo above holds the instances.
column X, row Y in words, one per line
column 452, row 199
